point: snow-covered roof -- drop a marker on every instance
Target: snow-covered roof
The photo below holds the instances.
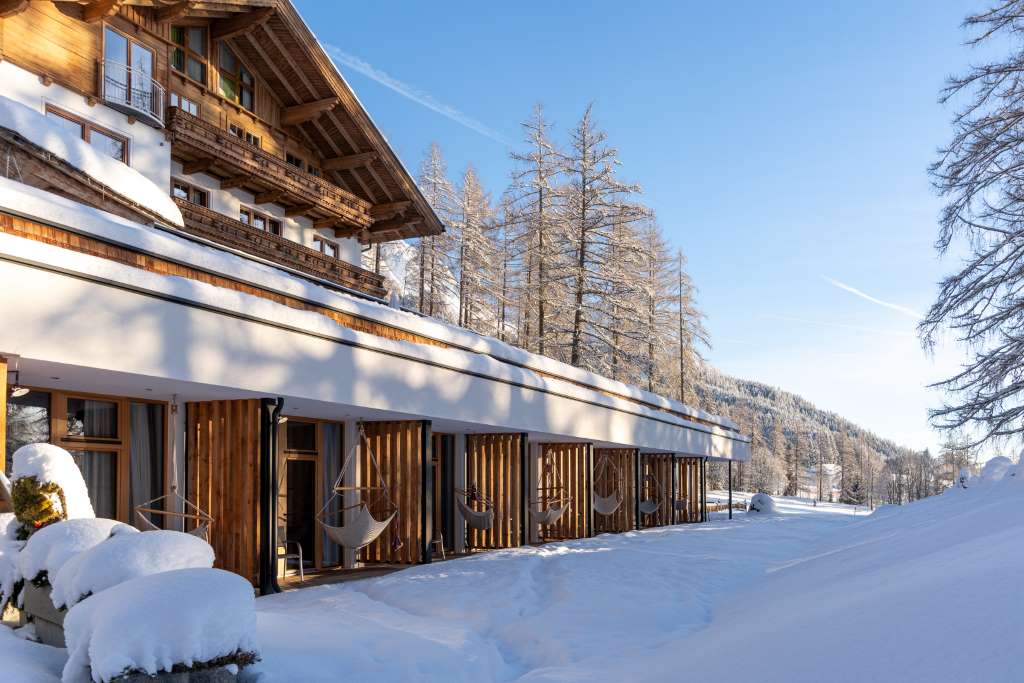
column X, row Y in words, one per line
column 467, row 350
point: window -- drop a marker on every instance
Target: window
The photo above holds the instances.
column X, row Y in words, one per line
column 253, row 140
column 300, row 436
column 91, row 419
column 259, row 221
column 295, row 161
column 314, row 171
column 236, row 82
column 243, row 134
column 185, row 104
column 128, row 73
column 28, row 421
column 325, row 246
column 189, row 57
column 104, row 140
column 236, row 130
column 190, row 193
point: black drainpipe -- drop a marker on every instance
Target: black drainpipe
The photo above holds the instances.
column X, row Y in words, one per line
column 270, row 411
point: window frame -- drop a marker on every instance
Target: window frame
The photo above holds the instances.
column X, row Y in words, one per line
column 268, row 220
column 188, row 51
column 236, row 78
column 191, row 188
column 88, row 127
column 317, row 237
column 184, row 98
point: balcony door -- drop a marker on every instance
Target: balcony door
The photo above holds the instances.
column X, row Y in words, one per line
column 128, row 72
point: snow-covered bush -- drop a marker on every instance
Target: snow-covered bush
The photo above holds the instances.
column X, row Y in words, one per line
column 186, row 619
column 996, row 469
column 124, row 557
column 49, row 548
column 47, row 487
column 10, row 573
column 761, row 502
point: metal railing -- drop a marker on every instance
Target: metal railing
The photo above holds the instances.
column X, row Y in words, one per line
column 132, row 90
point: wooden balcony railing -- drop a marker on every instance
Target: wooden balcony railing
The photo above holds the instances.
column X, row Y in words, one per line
column 204, row 147
column 208, row 224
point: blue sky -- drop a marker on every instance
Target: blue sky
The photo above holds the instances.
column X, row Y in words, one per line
column 783, row 146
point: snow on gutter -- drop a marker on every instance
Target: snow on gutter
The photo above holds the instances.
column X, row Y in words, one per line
column 502, row 361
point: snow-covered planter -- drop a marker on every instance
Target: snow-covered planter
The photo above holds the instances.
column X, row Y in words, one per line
column 761, row 502
column 124, row 557
column 186, row 620
column 47, row 487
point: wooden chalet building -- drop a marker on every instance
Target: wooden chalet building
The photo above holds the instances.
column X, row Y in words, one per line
column 187, row 189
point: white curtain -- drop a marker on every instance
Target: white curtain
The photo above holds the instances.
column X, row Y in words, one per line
column 331, row 465
column 146, row 456
column 99, row 469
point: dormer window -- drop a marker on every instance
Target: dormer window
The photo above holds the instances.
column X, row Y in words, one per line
column 236, row 82
column 189, row 57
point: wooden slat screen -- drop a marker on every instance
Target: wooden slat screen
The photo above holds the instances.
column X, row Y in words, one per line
column 619, row 476
column 223, row 478
column 689, row 489
column 493, row 465
column 568, row 465
column 397, row 446
column 661, row 467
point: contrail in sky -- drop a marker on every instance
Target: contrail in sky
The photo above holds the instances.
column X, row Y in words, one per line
column 867, row 297
column 413, row 93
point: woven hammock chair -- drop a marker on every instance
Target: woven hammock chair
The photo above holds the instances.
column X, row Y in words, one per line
column 481, row 520
column 650, row 506
column 362, row 528
column 552, row 501
column 180, row 508
column 606, row 505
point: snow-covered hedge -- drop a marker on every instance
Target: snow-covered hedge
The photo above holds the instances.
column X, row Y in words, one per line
column 47, row 486
column 187, row 619
column 124, row 557
column 761, row 502
column 50, row 547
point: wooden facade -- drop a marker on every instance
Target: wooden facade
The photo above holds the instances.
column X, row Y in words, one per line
column 656, row 485
column 615, row 473
column 689, row 490
column 494, row 467
column 223, row 478
column 400, row 454
column 564, row 470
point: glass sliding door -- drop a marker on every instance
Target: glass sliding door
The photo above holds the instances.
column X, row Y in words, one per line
column 28, row 421
column 99, row 469
column 146, row 456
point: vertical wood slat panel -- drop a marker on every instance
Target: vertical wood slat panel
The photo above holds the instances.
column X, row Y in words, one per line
column 398, row 450
column 223, row 477
column 492, row 465
column 568, row 467
column 617, row 477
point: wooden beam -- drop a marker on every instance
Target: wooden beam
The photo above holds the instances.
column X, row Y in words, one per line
column 8, row 8
column 197, row 166
column 175, row 11
column 300, row 113
column 268, row 197
column 322, row 223
column 298, row 210
column 350, row 161
column 100, row 9
column 389, row 209
column 395, row 223
column 345, row 231
column 235, row 181
column 239, row 24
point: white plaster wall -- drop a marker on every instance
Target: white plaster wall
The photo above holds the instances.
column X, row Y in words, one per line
column 149, row 152
column 59, row 318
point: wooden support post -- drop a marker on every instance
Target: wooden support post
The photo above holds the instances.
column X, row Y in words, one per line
column 730, row 489
column 675, row 487
column 426, row 493
column 3, row 414
column 638, row 468
column 524, row 485
column 704, row 489
column 590, row 490
column 459, row 445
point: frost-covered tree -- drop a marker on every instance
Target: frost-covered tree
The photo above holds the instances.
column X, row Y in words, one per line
column 430, row 286
column 978, row 174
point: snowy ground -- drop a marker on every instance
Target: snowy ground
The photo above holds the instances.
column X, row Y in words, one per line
column 927, row 592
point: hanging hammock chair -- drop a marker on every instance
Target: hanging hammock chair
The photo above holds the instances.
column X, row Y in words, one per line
column 180, row 508
column 650, row 506
column 362, row 528
column 552, row 501
column 606, row 505
column 481, row 520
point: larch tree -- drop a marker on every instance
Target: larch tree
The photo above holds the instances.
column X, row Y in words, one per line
column 429, row 274
column 978, row 174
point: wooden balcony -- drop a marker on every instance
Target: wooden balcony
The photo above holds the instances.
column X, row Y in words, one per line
column 216, row 227
column 202, row 147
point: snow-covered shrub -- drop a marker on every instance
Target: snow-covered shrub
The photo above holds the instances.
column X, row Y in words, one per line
column 124, row 557
column 47, row 487
column 761, row 502
column 10, row 573
column 49, row 548
column 182, row 620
